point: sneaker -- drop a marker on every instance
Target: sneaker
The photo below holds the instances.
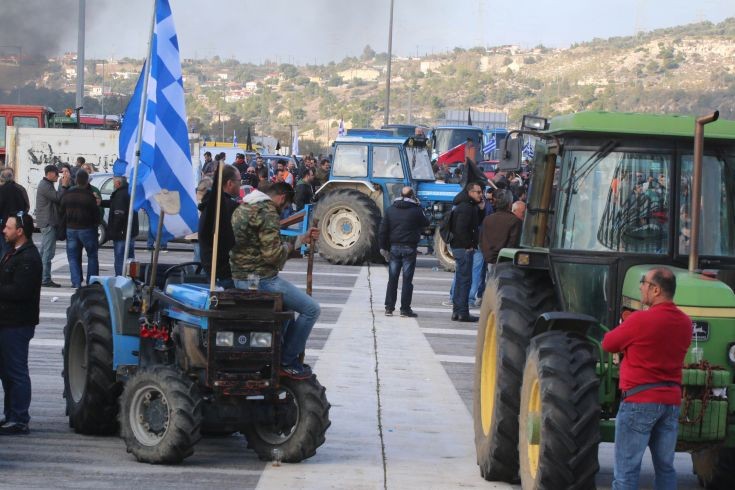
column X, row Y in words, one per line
column 298, row 371
column 388, row 312
column 50, row 284
column 13, row 428
column 477, row 303
column 408, row 314
column 448, row 303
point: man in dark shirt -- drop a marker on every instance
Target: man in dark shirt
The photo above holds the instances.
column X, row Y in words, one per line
column 117, row 223
column 240, row 164
column 465, row 223
column 11, row 201
column 81, row 216
column 304, row 191
column 399, row 235
column 20, row 294
column 655, row 342
column 500, row 230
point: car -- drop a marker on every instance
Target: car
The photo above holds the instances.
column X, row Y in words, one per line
column 105, row 183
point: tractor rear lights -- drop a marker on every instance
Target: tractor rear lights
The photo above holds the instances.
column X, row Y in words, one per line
column 225, row 339
column 258, row 340
column 261, row 339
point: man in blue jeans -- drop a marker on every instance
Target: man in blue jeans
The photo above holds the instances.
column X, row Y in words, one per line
column 82, row 217
column 20, row 294
column 259, row 251
column 654, row 343
column 464, row 242
column 117, row 222
column 399, row 235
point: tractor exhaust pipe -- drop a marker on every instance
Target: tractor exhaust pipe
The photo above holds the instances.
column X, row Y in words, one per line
column 697, row 187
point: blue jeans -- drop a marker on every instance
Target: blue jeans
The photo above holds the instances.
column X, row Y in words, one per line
column 151, row 242
column 641, row 425
column 478, row 276
column 48, row 250
column 402, row 257
column 14, row 372
column 118, row 248
column 297, row 332
column 462, row 280
column 75, row 241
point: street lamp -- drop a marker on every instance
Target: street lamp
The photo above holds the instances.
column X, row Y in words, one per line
column 390, row 55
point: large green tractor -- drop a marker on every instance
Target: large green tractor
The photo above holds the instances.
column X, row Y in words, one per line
column 612, row 196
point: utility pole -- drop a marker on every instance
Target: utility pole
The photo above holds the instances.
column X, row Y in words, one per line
column 80, row 55
column 386, row 118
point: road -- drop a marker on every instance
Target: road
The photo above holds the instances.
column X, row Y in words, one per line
column 400, row 391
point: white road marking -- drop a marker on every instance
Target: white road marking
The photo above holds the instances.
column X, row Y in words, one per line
column 457, row 359
column 449, row 331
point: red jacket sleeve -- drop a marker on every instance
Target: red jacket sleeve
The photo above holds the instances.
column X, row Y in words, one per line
column 619, row 338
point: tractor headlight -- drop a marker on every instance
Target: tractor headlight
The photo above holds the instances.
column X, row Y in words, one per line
column 261, row 339
column 438, row 208
column 225, row 339
column 731, row 354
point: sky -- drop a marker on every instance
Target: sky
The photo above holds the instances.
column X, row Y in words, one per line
column 309, row 31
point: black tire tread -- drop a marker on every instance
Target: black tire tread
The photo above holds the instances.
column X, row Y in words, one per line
column 447, row 265
column 717, row 467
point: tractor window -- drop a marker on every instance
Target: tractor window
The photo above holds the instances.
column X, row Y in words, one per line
column 614, row 201
column 717, row 218
column 350, row 161
column 419, row 163
column 387, row 162
column 25, row 122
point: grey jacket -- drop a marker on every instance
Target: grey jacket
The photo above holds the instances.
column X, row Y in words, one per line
column 48, row 200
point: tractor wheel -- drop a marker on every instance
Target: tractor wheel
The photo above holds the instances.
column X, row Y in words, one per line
column 348, row 222
column 160, row 415
column 714, row 467
column 297, row 424
column 560, row 414
column 513, row 299
column 443, row 252
column 90, row 388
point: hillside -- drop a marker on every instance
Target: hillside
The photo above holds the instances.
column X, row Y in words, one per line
column 687, row 69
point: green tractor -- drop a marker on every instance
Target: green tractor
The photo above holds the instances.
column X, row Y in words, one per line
column 610, row 198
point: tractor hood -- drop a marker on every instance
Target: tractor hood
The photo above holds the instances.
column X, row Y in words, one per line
column 692, row 289
column 433, row 192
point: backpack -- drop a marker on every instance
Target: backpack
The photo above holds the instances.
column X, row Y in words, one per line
column 445, row 227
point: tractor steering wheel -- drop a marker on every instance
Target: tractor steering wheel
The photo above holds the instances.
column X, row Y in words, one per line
column 171, row 269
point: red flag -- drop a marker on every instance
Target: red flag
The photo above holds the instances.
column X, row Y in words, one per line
column 456, row 154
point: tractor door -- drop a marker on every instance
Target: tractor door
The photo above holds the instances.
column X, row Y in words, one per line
column 388, row 171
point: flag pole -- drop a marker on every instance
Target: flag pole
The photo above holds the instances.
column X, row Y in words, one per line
column 138, row 141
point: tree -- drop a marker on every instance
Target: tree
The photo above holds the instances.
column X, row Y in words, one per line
column 368, row 53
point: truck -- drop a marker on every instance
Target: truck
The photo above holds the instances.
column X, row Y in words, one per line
column 367, row 174
column 444, row 138
column 611, row 197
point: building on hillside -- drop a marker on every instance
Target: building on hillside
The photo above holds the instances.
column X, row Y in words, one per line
column 251, row 86
column 431, row 66
column 367, row 74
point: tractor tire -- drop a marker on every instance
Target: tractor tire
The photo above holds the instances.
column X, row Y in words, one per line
column 560, row 414
column 348, row 225
column 513, row 299
column 714, row 467
column 298, row 428
column 443, row 252
column 90, row 387
column 160, row 415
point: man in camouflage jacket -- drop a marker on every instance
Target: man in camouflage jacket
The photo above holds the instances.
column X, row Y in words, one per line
column 259, row 250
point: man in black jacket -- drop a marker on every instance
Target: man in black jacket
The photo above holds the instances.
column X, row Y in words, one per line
column 304, row 191
column 11, row 201
column 208, row 208
column 20, row 294
column 81, row 216
column 465, row 227
column 400, row 232
column 117, row 222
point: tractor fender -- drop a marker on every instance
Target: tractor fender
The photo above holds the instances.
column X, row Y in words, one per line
column 564, row 321
column 373, row 191
column 120, row 291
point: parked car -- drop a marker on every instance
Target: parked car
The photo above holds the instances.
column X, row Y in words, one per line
column 104, row 182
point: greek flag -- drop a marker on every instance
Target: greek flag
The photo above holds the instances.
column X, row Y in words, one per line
column 528, row 150
column 491, row 146
column 165, row 158
column 341, row 131
column 295, row 142
column 234, row 138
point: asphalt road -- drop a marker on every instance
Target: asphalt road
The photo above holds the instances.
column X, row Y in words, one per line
column 54, row 456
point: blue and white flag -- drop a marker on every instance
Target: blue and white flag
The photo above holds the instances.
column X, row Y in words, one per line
column 295, row 142
column 528, row 150
column 491, row 146
column 341, row 131
column 234, row 138
column 165, row 158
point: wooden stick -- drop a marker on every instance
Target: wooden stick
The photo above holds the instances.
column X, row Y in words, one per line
column 310, row 261
column 215, row 241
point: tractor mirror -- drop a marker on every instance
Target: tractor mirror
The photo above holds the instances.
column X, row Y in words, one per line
column 510, row 154
column 169, row 201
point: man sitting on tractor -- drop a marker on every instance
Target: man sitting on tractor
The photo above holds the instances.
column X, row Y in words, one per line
column 259, row 254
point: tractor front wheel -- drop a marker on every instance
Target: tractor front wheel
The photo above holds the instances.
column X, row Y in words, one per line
column 559, row 415
column 714, row 467
column 160, row 415
column 295, row 425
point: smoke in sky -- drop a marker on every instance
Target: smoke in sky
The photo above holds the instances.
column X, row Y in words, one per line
column 40, row 27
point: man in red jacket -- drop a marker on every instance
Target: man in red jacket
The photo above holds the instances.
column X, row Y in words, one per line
column 654, row 342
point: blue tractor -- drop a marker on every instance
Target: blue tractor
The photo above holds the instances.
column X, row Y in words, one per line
column 368, row 171
column 161, row 358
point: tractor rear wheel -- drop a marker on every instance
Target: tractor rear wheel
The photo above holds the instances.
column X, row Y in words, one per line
column 90, row 388
column 714, row 467
column 513, row 299
column 443, row 252
column 348, row 222
column 295, row 426
column 160, row 415
column 559, row 415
